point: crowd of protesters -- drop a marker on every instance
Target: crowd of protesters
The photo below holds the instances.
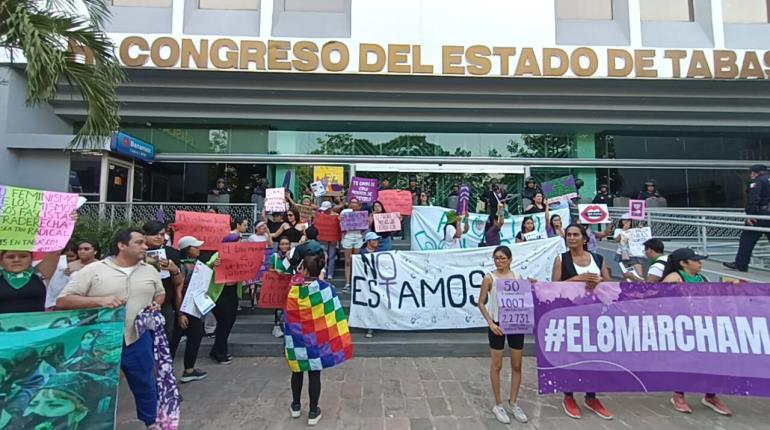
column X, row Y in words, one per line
column 132, row 275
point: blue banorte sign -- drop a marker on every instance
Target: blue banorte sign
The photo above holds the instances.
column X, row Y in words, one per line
column 125, row 144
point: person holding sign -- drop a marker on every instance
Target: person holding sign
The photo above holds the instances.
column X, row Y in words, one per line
column 623, row 252
column 352, row 241
column 684, row 265
column 293, row 229
column 580, row 265
column 279, row 263
column 23, row 286
column 538, row 205
column 488, row 294
column 493, row 226
column 452, row 233
column 386, row 237
column 527, row 227
column 187, row 325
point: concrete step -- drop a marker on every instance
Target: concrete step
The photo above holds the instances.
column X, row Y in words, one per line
column 454, row 343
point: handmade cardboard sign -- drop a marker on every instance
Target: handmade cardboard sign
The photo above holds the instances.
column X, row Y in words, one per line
column 397, row 201
column 389, row 221
column 208, row 227
column 239, row 261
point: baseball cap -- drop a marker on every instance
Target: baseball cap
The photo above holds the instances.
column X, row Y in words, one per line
column 758, row 168
column 261, row 223
column 372, row 236
column 325, row 206
column 189, row 241
column 686, row 254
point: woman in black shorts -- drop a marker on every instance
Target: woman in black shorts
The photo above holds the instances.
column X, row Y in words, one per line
column 488, row 308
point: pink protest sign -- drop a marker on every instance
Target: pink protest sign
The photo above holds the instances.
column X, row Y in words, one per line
column 637, row 209
column 385, row 222
column 397, row 201
column 35, row 220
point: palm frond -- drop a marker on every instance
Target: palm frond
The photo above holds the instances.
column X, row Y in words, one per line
column 98, row 11
column 43, row 36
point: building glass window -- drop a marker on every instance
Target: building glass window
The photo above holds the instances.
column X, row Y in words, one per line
column 746, row 11
column 683, row 147
column 229, row 4
column 142, row 3
column 666, row 10
column 315, row 5
column 85, row 175
column 584, row 9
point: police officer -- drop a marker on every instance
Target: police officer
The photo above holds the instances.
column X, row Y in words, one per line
column 758, row 204
column 530, row 188
column 603, row 196
column 650, row 190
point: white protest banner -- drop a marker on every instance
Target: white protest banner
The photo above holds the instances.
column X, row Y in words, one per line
column 636, row 238
column 275, row 200
column 428, row 290
column 199, row 284
column 428, row 227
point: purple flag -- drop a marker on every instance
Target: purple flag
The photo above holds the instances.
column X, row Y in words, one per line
column 464, row 199
column 700, row 338
column 159, row 215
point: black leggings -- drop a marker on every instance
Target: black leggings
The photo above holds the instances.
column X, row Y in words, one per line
column 314, row 388
column 226, row 311
column 194, row 333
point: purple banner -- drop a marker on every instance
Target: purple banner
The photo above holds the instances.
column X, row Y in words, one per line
column 364, row 189
column 358, row 220
column 515, row 306
column 701, row 338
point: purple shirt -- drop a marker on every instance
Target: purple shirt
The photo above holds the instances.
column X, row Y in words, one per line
column 492, row 236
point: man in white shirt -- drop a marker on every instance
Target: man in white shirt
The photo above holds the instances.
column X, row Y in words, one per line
column 653, row 249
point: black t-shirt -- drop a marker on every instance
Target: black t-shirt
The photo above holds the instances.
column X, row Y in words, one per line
column 168, row 285
column 534, row 210
column 29, row 298
column 273, row 226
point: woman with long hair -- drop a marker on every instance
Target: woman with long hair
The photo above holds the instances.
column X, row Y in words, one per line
column 423, row 199
column 579, row 265
column 527, row 226
column 493, row 225
column 684, row 266
column 623, row 252
column 538, row 205
column 352, row 241
column 555, row 226
column 87, row 252
column 386, row 237
column 293, row 228
column 488, row 294
column 279, row 263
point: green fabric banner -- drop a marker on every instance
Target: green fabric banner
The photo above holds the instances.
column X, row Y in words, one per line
column 60, row 370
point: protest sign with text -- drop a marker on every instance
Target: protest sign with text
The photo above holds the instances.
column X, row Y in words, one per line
column 428, row 223
column 363, row 189
column 559, row 189
column 318, row 188
column 239, row 261
column 354, row 220
column 275, row 200
column 328, row 227
column 427, row 290
column 638, row 337
column 396, row 201
column 636, row 238
column 516, row 310
column 208, row 227
column 637, row 209
column 306, row 212
column 593, row 213
column 275, row 289
column 35, row 220
column 389, row 221
column 199, row 284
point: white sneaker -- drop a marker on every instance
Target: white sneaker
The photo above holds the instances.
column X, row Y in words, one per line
column 277, row 332
column 346, row 289
column 501, row 415
column 370, row 334
column 517, row 412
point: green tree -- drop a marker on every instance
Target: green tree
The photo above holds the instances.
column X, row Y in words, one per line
column 47, row 33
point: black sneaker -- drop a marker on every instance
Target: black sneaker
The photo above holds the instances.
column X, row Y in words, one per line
column 195, row 375
column 734, row 266
column 296, row 410
column 221, row 360
column 314, row 416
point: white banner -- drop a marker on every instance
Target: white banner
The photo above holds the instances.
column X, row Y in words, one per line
column 429, row 290
column 427, row 227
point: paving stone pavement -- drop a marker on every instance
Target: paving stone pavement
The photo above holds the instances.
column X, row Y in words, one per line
column 417, row 394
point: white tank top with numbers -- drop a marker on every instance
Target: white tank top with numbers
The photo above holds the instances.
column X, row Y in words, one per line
column 492, row 295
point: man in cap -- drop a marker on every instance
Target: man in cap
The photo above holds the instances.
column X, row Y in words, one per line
column 603, row 196
column 758, row 203
column 650, row 190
